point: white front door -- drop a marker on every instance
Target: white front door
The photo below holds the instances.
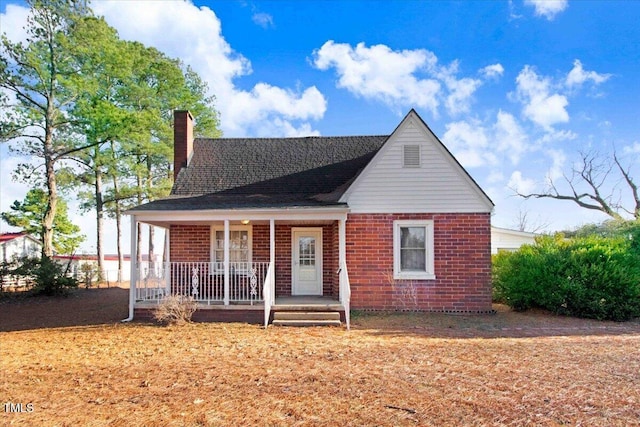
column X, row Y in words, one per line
column 306, row 254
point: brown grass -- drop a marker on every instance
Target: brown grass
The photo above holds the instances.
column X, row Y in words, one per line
column 391, row 369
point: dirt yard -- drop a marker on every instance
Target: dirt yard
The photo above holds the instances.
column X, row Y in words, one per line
column 70, row 362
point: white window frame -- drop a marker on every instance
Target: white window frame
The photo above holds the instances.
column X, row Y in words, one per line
column 429, row 273
column 212, row 251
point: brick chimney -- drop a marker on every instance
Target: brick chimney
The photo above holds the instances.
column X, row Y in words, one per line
column 182, row 140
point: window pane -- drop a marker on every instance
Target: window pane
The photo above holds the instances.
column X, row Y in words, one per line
column 412, row 237
column 413, row 249
column 413, row 260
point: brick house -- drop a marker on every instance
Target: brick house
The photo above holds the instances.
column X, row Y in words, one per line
column 259, row 225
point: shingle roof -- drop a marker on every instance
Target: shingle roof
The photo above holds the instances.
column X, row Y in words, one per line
column 268, row 172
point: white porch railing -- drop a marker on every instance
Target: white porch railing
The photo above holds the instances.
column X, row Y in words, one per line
column 204, row 281
column 345, row 293
column 268, row 294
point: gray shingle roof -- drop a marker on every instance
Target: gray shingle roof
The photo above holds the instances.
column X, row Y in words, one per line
column 268, row 172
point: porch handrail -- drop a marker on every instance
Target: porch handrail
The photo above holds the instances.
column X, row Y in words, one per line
column 267, row 294
column 201, row 280
column 345, row 293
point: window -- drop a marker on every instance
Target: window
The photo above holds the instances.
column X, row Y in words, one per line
column 413, row 249
column 411, row 156
column 239, row 248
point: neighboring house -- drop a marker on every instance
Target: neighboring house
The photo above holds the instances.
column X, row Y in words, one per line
column 351, row 222
column 503, row 239
column 17, row 245
column 12, row 247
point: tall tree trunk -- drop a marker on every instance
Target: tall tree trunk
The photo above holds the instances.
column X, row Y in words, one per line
column 52, row 201
column 99, row 223
column 139, row 240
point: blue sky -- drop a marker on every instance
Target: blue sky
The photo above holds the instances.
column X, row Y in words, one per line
column 515, row 89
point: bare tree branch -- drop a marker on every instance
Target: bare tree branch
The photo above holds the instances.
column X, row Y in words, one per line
column 594, row 172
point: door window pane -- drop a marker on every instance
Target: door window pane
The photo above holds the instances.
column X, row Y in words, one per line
column 307, row 251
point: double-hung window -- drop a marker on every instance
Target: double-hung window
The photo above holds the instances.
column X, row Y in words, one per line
column 413, row 249
column 239, row 248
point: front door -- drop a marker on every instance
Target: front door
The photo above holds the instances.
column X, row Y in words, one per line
column 306, row 254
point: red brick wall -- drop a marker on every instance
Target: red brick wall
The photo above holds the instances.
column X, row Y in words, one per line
column 193, row 243
column 190, row 243
column 462, row 247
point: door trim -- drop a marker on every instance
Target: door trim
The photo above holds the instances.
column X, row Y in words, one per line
column 319, row 257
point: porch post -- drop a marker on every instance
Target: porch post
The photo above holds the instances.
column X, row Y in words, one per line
column 133, row 275
column 342, row 247
column 226, row 262
column 167, row 260
column 272, row 257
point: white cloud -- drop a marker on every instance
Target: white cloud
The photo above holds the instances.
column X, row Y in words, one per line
column 377, row 72
column 509, row 137
column 540, row 105
column 632, row 149
column 469, row 142
column 520, row 184
column 492, row 71
column 13, row 22
column 196, row 38
column 9, row 190
column 548, row 8
column 398, row 78
column 556, row 136
column 558, row 161
column 495, row 177
column 577, row 76
column 263, row 19
column 271, row 107
column 460, row 90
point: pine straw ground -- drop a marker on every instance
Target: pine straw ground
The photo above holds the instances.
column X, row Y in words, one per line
column 390, row 369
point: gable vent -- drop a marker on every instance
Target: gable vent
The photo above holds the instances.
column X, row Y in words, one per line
column 411, row 156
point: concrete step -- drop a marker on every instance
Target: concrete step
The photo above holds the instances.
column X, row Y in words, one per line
column 308, row 318
column 306, row 323
column 307, row 307
column 306, row 315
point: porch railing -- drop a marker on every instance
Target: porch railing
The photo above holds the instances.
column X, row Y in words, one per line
column 268, row 293
column 345, row 293
column 204, row 281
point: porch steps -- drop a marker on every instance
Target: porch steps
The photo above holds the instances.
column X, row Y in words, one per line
column 306, row 318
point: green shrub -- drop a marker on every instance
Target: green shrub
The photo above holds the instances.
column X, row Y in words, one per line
column 593, row 277
column 48, row 276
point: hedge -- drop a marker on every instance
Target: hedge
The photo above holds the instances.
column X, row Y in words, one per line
column 592, row 277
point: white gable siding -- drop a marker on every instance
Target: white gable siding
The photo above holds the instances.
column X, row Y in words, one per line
column 439, row 184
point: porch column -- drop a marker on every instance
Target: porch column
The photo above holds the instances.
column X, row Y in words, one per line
column 167, row 260
column 133, row 275
column 226, row 262
column 342, row 249
column 272, row 257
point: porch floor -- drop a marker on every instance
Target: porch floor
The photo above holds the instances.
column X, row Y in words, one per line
column 288, row 303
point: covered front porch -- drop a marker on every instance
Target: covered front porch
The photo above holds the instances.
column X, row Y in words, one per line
column 243, row 264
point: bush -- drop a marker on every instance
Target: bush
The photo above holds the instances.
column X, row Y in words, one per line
column 48, row 277
column 593, row 277
column 175, row 310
